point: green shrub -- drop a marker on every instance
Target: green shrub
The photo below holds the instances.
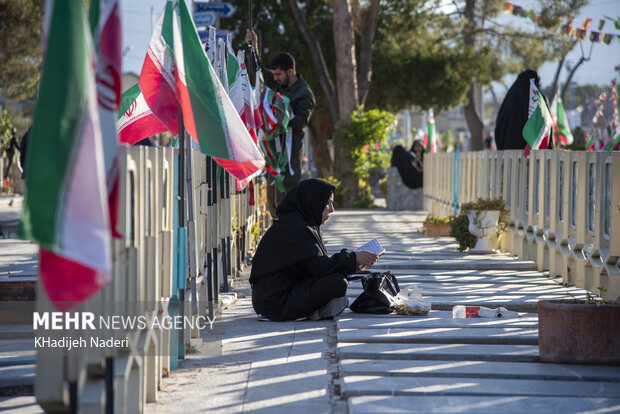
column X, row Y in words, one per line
column 366, row 141
column 340, row 192
column 383, row 186
column 459, row 229
column 365, row 198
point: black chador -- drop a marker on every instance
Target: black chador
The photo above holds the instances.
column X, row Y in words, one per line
column 408, row 166
column 292, row 275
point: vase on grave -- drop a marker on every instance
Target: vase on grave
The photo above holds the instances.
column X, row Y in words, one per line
column 483, row 224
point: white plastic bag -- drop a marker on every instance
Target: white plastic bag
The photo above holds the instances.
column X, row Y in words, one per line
column 412, row 303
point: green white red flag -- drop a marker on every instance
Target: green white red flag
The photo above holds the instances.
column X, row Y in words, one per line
column 241, row 95
column 431, row 141
column 177, row 71
column 562, row 134
column 105, row 24
column 537, row 129
column 590, row 142
column 614, row 143
column 135, row 120
column 66, row 202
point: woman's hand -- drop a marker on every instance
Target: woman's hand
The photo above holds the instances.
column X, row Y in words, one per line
column 365, row 258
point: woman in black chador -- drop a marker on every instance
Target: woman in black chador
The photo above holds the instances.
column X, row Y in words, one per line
column 409, row 164
column 513, row 113
column 292, row 276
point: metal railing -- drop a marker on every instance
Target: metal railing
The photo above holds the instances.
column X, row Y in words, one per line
column 564, row 207
column 162, row 268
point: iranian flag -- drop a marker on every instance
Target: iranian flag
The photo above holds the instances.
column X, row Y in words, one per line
column 177, row 70
column 590, row 142
column 105, row 24
column 538, row 126
column 135, row 120
column 560, row 123
column 431, row 141
column 614, row 142
column 241, row 93
column 65, row 203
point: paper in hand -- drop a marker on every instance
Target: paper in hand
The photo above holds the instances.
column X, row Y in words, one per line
column 372, row 246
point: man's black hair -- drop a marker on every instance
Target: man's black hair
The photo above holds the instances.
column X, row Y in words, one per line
column 283, row 61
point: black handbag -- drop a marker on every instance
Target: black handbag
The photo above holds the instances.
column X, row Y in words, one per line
column 380, row 289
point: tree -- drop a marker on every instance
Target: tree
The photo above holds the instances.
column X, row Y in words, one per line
column 416, row 61
column 20, row 47
column 278, row 31
column 393, row 54
column 6, row 129
column 349, row 17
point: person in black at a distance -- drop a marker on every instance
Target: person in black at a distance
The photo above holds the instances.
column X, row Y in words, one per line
column 513, row 113
column 292, row 275
column 418, row 150
column 409, row 164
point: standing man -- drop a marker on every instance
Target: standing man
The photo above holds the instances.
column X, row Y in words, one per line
column 281, row 77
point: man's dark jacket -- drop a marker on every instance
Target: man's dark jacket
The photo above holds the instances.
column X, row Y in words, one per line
column 302, row 104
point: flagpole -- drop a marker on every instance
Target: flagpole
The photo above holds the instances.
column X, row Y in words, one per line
column 214, row 233
column 209, row 238
column 191, row 240
column 228, row 231
column 181, row 339
column 251, row 63
column 223, row 232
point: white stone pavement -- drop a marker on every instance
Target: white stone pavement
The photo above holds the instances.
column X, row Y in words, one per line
column 391, row 363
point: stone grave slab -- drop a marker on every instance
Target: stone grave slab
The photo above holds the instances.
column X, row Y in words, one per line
column 481, row 369
column 455, row 352
column 452, row 335
column 380, row 385
column 480, row 405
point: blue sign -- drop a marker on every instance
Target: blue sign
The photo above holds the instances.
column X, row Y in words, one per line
column 221, row 34
column 204, row 19
column 219, row 9
column 204, row 36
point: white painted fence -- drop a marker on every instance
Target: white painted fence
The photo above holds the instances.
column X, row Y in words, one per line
column 564, row 207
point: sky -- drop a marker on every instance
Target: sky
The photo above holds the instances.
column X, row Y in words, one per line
column 136, row 15
column 599, row 69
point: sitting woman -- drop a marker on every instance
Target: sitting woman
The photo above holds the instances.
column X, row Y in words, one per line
column 409, row 164
column 292, row 276
column 418, row 150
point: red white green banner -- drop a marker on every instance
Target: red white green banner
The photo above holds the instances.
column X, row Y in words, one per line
column 177, row 71
column 538, row 126
column 431, row 140
column 65, row 202
column 105, row 24
column 135, row 120
column 561, row 130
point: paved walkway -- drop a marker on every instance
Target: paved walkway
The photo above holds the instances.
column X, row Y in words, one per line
column 438, row 364
column 18, row 266
column 390, row 363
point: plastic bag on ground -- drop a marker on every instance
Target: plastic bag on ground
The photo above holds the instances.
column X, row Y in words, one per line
column 411, row 303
